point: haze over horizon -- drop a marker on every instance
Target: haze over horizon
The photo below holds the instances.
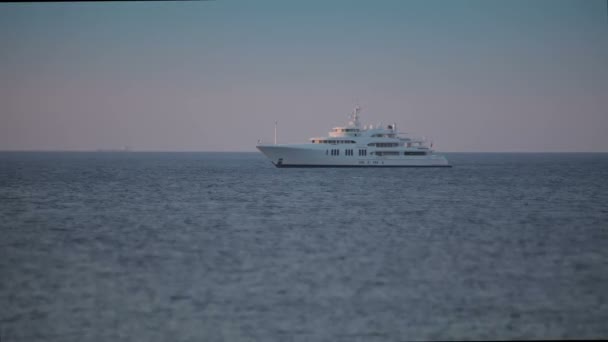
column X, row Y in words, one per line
column 473, row 76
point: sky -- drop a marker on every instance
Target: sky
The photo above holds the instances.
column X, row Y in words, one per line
column 472, row 76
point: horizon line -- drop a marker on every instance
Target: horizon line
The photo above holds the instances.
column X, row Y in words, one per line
column 233, row 151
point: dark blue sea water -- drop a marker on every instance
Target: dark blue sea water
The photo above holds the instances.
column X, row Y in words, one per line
column 226, row 247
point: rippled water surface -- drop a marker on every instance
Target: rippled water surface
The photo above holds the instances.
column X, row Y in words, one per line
column 225, row 247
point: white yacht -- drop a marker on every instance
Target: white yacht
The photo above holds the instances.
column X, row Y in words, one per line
column 356, row 146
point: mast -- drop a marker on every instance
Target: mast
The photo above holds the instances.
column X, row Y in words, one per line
column 355, row 116
column 275, row 132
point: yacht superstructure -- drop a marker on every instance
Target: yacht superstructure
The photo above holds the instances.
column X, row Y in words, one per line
column 356, row 146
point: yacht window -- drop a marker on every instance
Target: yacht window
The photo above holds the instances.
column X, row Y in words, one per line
column 387, row 153
column 384, row 144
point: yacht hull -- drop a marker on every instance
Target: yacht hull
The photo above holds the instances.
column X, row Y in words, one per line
column 313, row 156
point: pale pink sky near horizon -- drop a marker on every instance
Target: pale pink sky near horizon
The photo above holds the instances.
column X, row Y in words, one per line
column 473, row 76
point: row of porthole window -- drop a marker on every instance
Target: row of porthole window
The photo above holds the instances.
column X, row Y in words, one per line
column 384, row 144
column 347, row 152
column 362, row 153
column 333, row 142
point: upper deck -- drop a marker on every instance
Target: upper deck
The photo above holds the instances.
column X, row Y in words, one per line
column 369, row 136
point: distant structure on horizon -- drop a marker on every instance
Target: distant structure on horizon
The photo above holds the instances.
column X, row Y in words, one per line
column 123, row 149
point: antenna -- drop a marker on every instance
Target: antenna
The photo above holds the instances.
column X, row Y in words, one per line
column 354, row 116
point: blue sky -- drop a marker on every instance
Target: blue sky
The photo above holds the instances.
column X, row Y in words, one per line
column 215, row 75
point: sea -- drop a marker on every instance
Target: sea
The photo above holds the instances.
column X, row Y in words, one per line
column 143, row 246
